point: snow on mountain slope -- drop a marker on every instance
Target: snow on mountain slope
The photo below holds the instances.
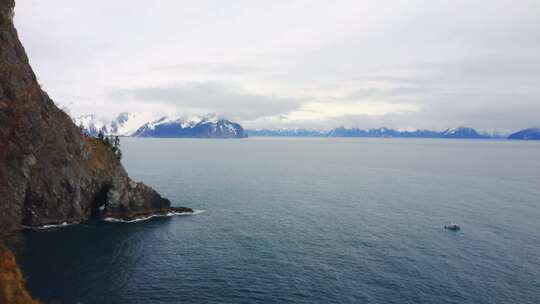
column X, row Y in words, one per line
column 126, row 124
column 159, row 125
column 462, row 132
column 459, row 132
column 195, row 126
column 92, row 124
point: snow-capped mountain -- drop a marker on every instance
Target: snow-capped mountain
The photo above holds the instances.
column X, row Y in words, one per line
column 125, row 124
column 211, row 126
column 288, row 132
column 527, row 134
column 198, row 127
column 381, row 132
column 92, row 124
column 156, row 125
column 462, row 132
column 459, row 132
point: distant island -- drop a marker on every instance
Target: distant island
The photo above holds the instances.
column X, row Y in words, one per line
column 148, row 125
column 457, row 133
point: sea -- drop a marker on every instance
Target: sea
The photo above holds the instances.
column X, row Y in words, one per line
column 309, row 220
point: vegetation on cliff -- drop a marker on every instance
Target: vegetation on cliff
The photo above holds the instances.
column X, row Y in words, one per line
column 113, row 142
column 12, row 286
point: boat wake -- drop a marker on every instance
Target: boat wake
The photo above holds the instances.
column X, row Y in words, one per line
column 116, row 220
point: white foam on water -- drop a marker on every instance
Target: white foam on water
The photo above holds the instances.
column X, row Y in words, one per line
column 116, row 220
column 44, row 227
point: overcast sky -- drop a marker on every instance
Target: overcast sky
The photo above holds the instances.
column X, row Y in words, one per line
column 402, row 64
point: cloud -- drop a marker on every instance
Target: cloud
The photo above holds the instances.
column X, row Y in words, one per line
column 321, row 110
column 209, row 97
column 331, row 114
column 401, row 64
column 210, row 68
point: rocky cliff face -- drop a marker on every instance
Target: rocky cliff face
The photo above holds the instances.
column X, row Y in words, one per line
column 49, row 172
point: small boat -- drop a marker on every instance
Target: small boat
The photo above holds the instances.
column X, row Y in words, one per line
column 452, row 226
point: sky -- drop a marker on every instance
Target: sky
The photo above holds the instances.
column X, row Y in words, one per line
column 407, row 64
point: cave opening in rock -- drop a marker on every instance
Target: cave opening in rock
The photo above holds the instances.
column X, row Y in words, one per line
column 100, row 201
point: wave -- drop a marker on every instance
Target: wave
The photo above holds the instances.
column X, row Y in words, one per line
column 116, row 220
column 113, row 220
column 50, row 226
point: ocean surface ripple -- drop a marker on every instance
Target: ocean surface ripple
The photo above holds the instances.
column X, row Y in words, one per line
column 309, row 221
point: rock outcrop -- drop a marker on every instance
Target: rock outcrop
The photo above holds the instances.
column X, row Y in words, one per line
column 49, row 172
column 12, row 287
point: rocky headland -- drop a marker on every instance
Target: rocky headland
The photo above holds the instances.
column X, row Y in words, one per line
column 51, row 173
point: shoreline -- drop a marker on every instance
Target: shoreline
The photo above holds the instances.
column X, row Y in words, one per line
column 138, row 217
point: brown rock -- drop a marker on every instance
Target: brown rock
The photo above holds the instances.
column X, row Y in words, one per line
column 12, row 287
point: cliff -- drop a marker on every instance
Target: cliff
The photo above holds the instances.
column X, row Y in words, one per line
column 49, row 172
column 12, row 287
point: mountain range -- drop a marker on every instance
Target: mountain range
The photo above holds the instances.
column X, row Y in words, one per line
column 459, row 132
column 154, row 125
column 140, row 124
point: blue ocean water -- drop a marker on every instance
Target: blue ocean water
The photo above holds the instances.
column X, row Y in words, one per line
column 309, row 221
